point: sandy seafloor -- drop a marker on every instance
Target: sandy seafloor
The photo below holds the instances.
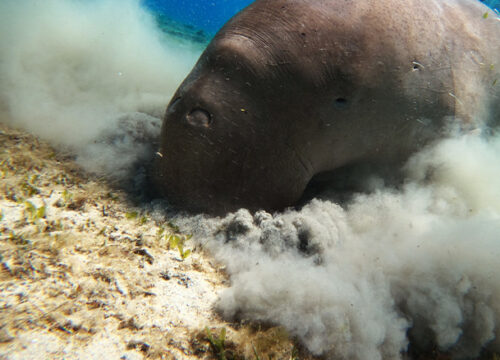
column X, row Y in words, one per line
column 86, row 274
column 90, row 279
column 93, row 277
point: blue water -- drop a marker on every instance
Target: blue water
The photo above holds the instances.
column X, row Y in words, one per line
column 210, row 15
column 494, row 4
column 206, row 15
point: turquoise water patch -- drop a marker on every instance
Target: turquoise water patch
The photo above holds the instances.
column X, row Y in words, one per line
column 494, row 4
column 205, row 16
column 199, row 20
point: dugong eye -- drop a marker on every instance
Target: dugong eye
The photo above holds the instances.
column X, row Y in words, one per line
column 199, row 117
column 341, row 103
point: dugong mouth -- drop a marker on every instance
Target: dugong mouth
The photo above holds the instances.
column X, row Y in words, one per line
column 217, row 185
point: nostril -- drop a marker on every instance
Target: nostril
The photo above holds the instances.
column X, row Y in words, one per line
column 176, row 100
column 199, row 117
column 341, row 103
column 173, row 105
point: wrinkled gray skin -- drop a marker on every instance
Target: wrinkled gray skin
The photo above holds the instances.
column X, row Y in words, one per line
column 292, row 88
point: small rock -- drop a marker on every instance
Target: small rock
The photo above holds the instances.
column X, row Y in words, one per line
column 139, row 345
column 143, row 252
column 165, row 275
column 5, row 337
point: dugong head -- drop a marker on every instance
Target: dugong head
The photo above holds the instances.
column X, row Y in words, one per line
column 225, row 136
column 273, row 101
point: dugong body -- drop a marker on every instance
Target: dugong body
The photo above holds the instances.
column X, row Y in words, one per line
column 289, row 89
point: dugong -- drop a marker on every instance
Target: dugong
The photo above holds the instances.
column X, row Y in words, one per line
column 291, row 89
